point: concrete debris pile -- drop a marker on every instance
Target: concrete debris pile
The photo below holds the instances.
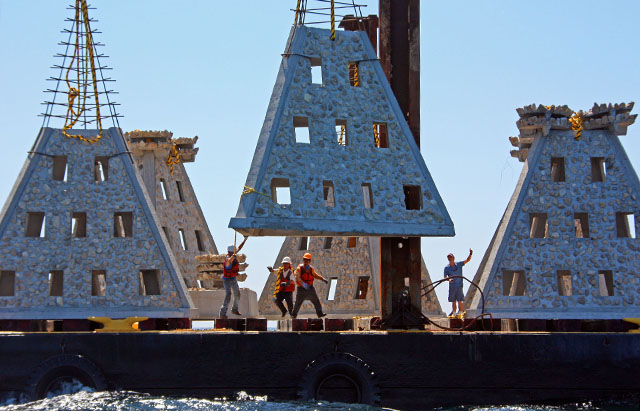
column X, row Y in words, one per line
column 210, row 266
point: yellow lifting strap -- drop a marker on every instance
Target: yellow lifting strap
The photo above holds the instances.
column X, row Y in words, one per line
column 76, row 109
column 576, row 124
column 635, row 321
column 249, row 190
column 341, row 138
column 129, row 324
column 376, row 135
column 174, row 158
column 333, row 20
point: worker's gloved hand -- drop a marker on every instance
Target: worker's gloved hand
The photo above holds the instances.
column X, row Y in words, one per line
column 285, row 283
column 269, row 268
column 326, row 281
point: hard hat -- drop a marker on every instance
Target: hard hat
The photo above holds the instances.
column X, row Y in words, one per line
column 307, row 256
column 231, row 248
column 449, row 255
column 286, row 260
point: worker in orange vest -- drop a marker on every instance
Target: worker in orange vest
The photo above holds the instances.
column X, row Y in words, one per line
column 284, row 286
column 305, row 274
column 230, row 269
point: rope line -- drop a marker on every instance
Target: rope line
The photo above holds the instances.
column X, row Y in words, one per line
column 173, row 159
column 576, row 124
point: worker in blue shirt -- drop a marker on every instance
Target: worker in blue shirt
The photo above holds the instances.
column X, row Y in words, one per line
column 454, row 270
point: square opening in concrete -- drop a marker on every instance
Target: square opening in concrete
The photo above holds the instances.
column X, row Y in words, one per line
column 7, row 283
column 328, row 193
column 303, row 244
column 301, row 129
column 183, row 239
column 331, row 290
column 59, row 171
column 180, row 192
column 557, row 169
column 626, row 225
column 598, row 170
column 354, row 74
column 163, row 189
column 327, row 243
column 316, row 70
column 123, row 224
column 605, row 283
column 56, row 282
column 513, row 283
column 538, row 226
column 361, row 288
column 199, row 241
column 367, row 195
column 149, row 282
column 101, row 169
column 280, row 191
column 352, row 242
column 35, row 224
column 99, row 283
column 380, row 135
column 412, row 197
column 78, row 224
column 581, row 224
column 341, row 132
column 565, row 288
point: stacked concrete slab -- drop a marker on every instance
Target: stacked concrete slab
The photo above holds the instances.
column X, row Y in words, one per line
column 353, row 263
column 566, row 246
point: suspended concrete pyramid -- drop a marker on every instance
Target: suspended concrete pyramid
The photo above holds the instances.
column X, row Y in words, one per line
column 335, row 155
column 566, row 247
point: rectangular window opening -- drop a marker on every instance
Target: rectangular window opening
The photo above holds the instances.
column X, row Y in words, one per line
column 626, row 225
column 199, row 241
column 581, row 223
column 35, row 224
column 328, row 193
column 7, row 283
column 78, row 225
column 557, row 169
column 331, row 293
column 199, row 283
column 183, row 239
column 163, row 189
column 565, row 288
column 280, row 191
column 538, row 227
column 301, row 129
column 354, row 74
column 59, row 171
column 149, row 282
column 367, row 195
column 412, row 197
column 122, row 224
column 166, row 234
column 180, row 192
column 352, row 242
column 327, row 243
column 101, row 169
column 513, row 283
column 363, row 286
column 99, row 283
column 341, row 132
column 303, row 244
column 605, row 283
column 56, row 281
column 316, row 70
column 380, row 135
column 598, row 170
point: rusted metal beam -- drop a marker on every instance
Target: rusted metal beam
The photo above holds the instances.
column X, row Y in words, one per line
column 369, row 24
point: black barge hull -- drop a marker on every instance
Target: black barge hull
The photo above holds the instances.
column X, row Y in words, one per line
column 411, row 370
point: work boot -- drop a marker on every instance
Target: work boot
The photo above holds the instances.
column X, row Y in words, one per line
column 322, row 315
column 283, row 314
column 223, row 316
column 451, row 314
column 236, row 312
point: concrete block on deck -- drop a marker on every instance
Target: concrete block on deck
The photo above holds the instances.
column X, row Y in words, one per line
column 338, row 324
column 315, row 324
column 256, row 324
column 236, row 324
column 299, row 324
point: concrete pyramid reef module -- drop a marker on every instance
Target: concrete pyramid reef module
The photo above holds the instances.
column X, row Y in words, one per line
column 567, row 245
column 335, row 155
column 80, row 239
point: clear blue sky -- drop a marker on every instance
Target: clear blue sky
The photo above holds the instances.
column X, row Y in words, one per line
column 207, row 68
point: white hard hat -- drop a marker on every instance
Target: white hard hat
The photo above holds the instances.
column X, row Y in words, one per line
column 231, row 248
column 286, row 260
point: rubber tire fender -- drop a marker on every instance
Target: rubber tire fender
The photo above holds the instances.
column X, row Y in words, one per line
column 339, row 363
column 66, row 365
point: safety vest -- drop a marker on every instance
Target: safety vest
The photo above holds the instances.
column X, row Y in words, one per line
column 232, row 270
column 306, row 275
column 289, row 288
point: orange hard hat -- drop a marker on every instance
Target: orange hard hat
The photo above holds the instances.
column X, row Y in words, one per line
column 307, row 256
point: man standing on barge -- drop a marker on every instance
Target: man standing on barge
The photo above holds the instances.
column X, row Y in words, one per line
column 230, row 269
column 305, row 274
column 456, row 293
column 284, row 286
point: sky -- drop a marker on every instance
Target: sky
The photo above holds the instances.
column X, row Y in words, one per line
column 207, row 68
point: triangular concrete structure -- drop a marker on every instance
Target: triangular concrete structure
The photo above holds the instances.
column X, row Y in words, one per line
column 80, row 239
column 354, row 264
column 563, row 249
column 378, row 180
